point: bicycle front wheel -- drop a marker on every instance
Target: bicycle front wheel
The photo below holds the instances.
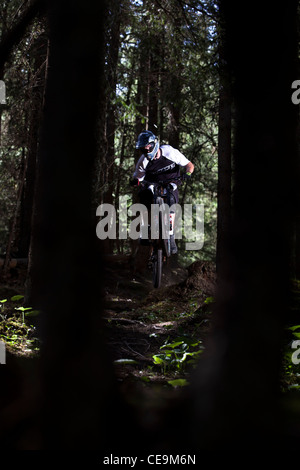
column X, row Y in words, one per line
column 157, row 268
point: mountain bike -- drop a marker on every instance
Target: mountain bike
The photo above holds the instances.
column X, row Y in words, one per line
column 161, row 228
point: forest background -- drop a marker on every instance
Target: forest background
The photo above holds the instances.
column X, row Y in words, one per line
column 161, row 73
column 82, row 80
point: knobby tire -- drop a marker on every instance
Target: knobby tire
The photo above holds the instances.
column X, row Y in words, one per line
column 163, row 247
column 163, row 230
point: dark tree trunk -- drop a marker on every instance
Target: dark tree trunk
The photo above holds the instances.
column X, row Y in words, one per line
column 174, row 111
column 78, row 400
column 108, row 166
column 224, row 155
column 238, row 381
column 142, row 91
column 36, row 98
column 173, row 81
column 153, row 86
column 295, row 258
column 112, row 62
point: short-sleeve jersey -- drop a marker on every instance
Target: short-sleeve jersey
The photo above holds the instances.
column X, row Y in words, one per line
column 165, row 168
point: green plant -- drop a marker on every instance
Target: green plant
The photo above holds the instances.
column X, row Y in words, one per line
column 176, row 355
column 178, row 383
column 14, row 330
column 28, row 311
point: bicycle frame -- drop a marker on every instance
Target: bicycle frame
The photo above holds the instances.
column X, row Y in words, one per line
column 160, row 245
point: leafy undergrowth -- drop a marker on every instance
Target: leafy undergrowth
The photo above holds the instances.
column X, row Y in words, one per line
column 17, row 330
column 155, row 336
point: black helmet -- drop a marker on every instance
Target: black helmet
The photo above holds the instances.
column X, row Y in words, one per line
column 145, row 138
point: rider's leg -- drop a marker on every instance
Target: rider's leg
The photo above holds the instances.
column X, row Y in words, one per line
column 173, row 199
column 145, row 197
column 173, row 245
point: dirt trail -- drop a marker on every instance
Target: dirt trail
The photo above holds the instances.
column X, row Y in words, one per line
column 139, row 318
column 138, row 321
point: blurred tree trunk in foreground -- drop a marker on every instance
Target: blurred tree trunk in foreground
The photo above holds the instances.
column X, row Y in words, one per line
column 79, row 401
column 237, row 386
column 224, row 152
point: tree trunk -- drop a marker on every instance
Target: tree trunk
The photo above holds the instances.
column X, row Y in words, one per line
column 172, row 82
column 174, row 110
column 142, row 90
column 36, row 98
column 79, row 404
column 224, row 156
column 153, row 86
column 238, row 381
column 112, row 62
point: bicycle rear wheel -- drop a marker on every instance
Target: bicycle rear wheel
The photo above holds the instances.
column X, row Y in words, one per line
column 157, row 268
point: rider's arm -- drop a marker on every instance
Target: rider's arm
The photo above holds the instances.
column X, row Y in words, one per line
column 177, row 157
column 174, row 155
column 140, row 169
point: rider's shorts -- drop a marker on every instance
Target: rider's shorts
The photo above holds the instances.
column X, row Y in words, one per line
column 146, row 197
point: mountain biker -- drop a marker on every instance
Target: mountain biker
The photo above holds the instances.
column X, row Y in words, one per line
column 159, row 163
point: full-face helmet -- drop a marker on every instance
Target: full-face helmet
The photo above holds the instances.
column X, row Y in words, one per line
column 147, row 138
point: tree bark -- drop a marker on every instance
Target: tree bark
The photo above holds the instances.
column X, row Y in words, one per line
column 76, row 375
column 173, row 85
column 36, row 97
column 112, row 62
column 238, row 383
column 142, row 90
column 153, row 85
column 224, row 155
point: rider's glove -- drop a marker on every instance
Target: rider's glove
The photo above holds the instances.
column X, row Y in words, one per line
column 134, row 182
column 187, row 176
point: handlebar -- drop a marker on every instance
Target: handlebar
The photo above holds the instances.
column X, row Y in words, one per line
column 165, row 184
column 162, row 183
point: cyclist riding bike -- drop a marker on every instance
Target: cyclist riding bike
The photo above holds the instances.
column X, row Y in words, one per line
column 160, row 163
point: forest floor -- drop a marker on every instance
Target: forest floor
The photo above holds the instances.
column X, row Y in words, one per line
column 154, row 336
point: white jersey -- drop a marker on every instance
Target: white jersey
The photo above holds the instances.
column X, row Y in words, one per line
column 170, row 159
